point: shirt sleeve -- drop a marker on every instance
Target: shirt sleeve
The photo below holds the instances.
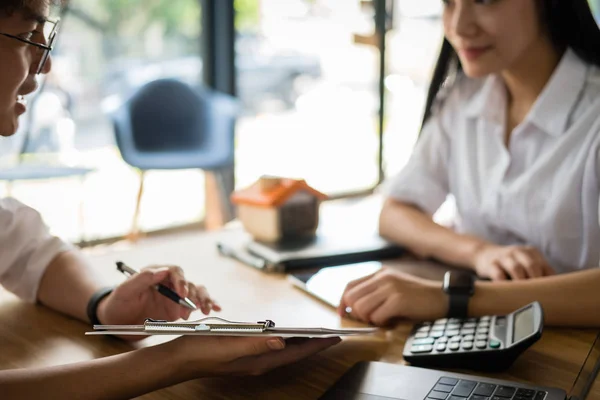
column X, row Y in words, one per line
column 424, row 181
column 26, row 249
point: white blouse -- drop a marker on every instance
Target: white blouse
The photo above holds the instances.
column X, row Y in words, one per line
column 543, row 190
column 26, row 248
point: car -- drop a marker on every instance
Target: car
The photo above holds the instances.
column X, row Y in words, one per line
column 262, row 75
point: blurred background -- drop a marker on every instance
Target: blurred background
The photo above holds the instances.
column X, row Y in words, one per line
column 310, row 76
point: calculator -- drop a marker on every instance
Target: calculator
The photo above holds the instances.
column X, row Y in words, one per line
column 488, row 343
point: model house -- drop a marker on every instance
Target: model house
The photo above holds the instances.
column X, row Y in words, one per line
column 274, row 208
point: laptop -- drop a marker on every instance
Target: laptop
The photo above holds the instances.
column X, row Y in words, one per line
column 384, row 381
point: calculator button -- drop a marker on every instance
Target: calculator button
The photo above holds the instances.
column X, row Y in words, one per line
column 469, row 331
column 540, row 395
column 486, row 318
column 481, row 336
column 483, row 330
column 478, row 397
column 464, row 388
column 467, row 345
column 494, row 344
column 455, row 339
column 423, row 341
column 438, row 328
column 441, row 347
column 456, row 398
column 436, row 334
column 469, row 325
column 452, row 327
column 453, row 333
column 421, row 348
column 485, row 389
column 454, row 346
column 423, row 329
column 484, row 324
column 455, row 321
column 448, row 381
column 443, row 339
column 505, row 391
column 421, row 335
column 481, row 344
column 441, row 321
column 468, row 338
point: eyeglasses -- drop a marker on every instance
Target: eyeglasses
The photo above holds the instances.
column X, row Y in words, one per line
column 43, row 49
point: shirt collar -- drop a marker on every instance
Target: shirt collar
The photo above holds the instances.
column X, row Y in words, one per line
column 490, row 101
column 552, row 109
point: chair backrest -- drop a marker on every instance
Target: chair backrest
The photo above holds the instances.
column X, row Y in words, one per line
column 169, row 117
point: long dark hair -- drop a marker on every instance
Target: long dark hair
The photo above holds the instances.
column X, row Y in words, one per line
column 570, row 23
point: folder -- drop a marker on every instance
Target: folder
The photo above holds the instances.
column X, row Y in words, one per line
column 215, row 326
column 320, row 251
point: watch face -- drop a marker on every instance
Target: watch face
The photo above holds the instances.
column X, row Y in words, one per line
column 459, row 282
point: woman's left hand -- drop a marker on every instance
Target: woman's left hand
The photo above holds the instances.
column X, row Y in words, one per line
column 389, row 294
column 136, row 299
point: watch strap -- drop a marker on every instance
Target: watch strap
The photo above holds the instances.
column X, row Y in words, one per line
column 458, row 305
column 92, row 306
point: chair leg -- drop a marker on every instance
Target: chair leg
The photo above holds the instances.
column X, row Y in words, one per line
column 134, row 234
column 9, row 186
column 225, row 188
column 82, row 236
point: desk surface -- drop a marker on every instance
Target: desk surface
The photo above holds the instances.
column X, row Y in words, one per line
column 32, row 336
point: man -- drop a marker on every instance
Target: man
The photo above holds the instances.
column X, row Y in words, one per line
column 41, row 268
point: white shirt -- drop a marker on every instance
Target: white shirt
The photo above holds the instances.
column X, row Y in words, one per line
column 26, row 248
column 543, row 190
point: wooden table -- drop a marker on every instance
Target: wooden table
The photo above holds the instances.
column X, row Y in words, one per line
column 32, row 336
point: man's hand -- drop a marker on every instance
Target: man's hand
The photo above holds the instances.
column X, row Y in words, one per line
column 136, row 299
column 230, row 355
column 389, row 294
column 514, row 262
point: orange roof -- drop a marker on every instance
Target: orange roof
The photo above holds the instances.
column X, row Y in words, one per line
column 274, row 196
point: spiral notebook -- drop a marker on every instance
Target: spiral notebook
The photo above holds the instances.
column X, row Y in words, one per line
column 215, row 326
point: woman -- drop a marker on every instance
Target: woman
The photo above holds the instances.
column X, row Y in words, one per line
column 40, row 268
column 513, row 135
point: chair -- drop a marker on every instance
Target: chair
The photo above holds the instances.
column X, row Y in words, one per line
column 167, row 124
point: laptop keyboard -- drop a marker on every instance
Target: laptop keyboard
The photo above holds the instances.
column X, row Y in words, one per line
column 460, row 389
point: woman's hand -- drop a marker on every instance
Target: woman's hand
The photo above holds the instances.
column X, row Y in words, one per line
column 389, row 294
column 136, row 299
column 510, row 262
column 229, row 355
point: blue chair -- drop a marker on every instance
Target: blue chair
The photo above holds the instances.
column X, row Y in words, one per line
column 168, row 125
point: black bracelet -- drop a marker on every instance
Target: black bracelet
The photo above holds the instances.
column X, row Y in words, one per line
column 92, row 306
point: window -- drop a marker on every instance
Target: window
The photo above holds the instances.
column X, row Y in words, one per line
column 107, row 49
column 309, row 91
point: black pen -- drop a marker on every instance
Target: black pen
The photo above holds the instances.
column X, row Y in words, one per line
column 162, row 289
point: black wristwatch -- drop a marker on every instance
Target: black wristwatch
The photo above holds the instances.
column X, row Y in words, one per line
column 459, row 286
column 92, row 306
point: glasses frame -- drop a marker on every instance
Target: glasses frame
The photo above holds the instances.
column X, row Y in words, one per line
column 46, row 49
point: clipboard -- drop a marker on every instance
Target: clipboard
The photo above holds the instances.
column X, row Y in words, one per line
column 215, row 326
